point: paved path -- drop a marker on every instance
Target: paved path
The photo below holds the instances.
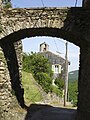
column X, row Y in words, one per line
column 44, row 112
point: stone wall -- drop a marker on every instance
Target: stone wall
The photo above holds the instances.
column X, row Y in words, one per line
column 8, row 101
column 84, row 83
column 5, row 85
column 18, row 49
column 18, row 19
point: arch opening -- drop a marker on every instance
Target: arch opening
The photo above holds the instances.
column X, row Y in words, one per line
column 57, row 46
column 17, row 36
column 51, row 32
column 11, row 39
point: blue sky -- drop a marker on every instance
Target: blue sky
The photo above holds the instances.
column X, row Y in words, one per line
column 47, row 3
column 55, row 44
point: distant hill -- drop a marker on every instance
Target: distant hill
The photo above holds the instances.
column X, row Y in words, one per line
column 73, row 75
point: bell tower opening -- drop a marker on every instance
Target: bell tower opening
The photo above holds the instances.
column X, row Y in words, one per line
column 44, row 47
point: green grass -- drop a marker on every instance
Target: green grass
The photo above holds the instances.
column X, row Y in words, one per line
column 31, row 90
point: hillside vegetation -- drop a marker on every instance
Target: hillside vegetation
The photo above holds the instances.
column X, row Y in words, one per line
column 73, row 87
column 73, row 75
column 40, row 68
column 31, row 90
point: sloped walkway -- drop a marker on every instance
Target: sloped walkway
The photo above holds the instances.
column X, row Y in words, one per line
column 45, row 112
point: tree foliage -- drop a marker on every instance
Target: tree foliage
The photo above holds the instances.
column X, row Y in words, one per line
column 73, row 92
column 44, row 80
column 7, row 3
column 40, row 67
column 60, row 83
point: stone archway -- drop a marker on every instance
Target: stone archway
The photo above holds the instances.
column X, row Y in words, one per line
column 67, row 23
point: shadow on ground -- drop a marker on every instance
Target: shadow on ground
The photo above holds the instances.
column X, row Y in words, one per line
column 46, row 112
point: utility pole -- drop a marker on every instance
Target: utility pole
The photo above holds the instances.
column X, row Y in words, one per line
column 66, row 75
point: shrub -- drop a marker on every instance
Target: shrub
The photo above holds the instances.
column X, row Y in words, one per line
column 73, row 92
column 60, row 83
column 57, row 91
column 44, row 80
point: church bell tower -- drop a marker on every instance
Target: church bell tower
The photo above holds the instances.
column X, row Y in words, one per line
column 44, row 47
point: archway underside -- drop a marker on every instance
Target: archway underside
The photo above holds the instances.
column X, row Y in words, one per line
column 52, row 32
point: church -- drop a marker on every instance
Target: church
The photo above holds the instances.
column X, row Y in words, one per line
column 57, row 62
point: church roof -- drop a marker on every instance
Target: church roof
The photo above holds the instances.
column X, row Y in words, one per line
column 44, row 43
column 53, row 58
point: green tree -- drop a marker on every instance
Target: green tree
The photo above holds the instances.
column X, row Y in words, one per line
column 40, row 64
column 7, row 3
column 40, row 67
column 73, row 92
column 45, row 81
column 60, row 83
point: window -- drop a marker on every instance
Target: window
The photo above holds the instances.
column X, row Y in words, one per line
column 56, row 68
